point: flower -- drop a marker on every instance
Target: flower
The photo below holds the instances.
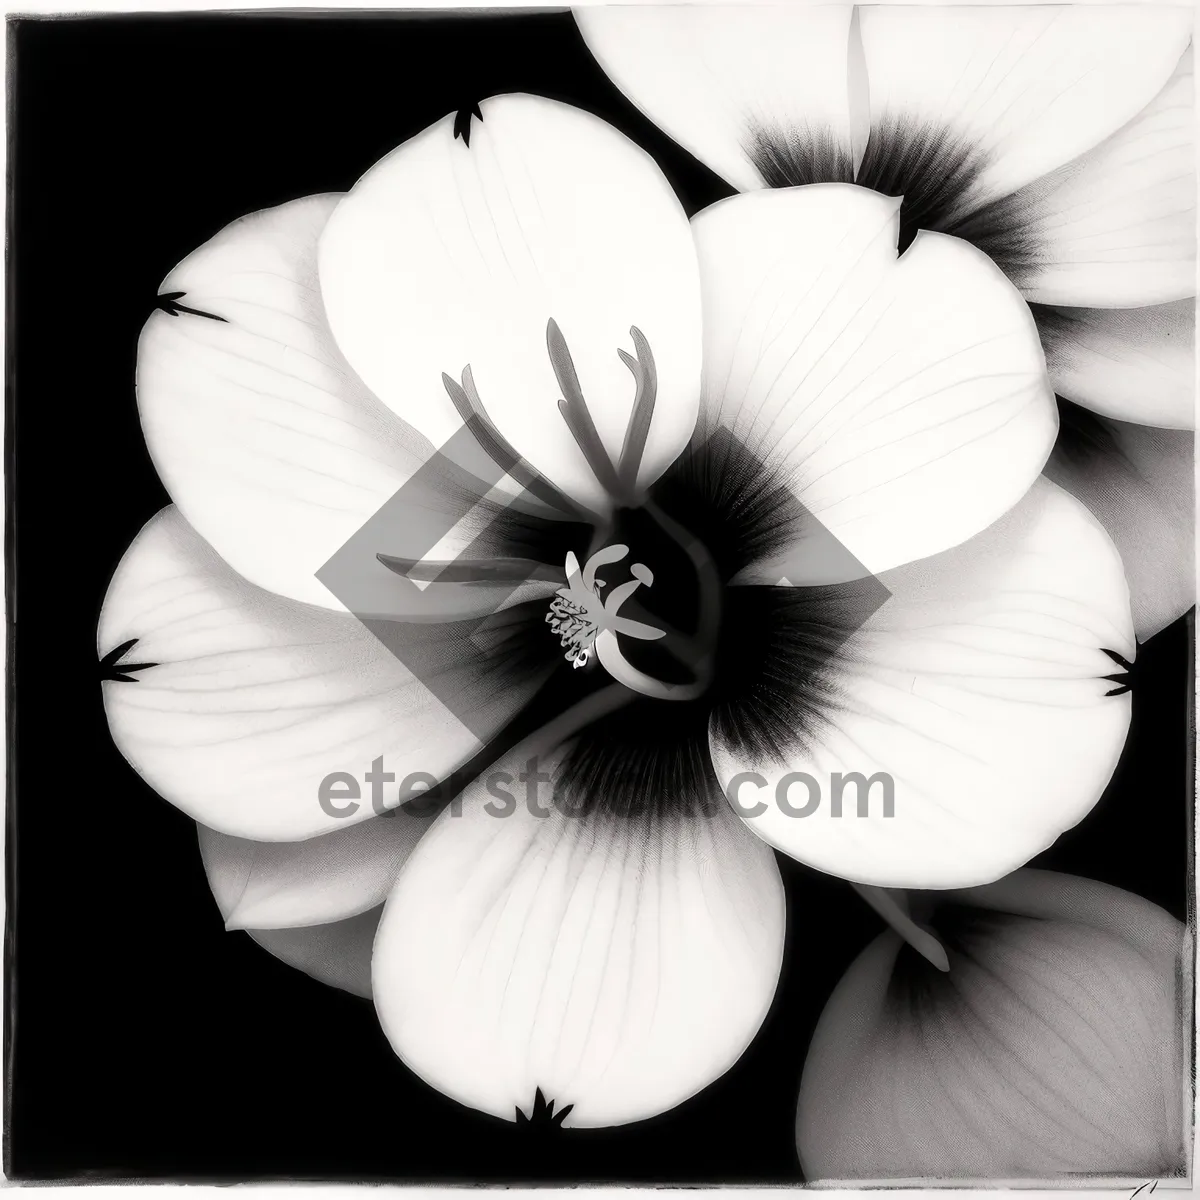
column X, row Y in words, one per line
column 1053, row 1047
column 744, row 432
column 1057, row 139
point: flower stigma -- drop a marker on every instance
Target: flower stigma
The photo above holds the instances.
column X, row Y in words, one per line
column 619, row 480
column 579, row 616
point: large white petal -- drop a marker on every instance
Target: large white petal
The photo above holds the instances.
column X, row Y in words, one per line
column 757, row 92
column 903, row 399
column 617, row 962
column 979, row 689
column 1053, row 1048
column 1140, row 482
column 1117, row 227
column 1026, row 88
column 266, row 440
column 283, row 885
column 1134, row 364
column 447, row 255
column 255, row 699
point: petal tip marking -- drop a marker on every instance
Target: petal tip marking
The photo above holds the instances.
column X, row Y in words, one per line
column 542, row 1115
column 462, row 122
column 114, row 671
column 168, row 302
column 1122, row 679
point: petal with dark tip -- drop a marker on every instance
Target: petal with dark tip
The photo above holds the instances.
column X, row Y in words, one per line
column 256, row 701
column 617, row 961
column 445, row 256
column 901, row 397
column 965, row 723
column 267, row 441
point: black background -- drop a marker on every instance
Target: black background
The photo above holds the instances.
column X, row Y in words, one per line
column 143, row 1041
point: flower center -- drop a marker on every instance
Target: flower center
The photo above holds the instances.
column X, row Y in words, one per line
column 588, row 625
column 653, row 631
column 591, row 626
column 579, row 615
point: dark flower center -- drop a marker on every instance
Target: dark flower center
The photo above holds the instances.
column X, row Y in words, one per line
column 650, row 599
column 767, row 658
column 759, row 656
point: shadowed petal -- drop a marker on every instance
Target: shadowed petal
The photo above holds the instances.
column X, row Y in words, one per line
column 1140, row 483
column 338, row 954
column 1053, row 1047
column 279, row 885
column 1133, row 364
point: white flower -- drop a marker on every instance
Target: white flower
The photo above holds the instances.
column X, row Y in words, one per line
column 542, row 284
column 1058, row 139
column 1053, row 1048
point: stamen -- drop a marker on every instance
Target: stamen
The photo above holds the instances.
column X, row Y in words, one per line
column 620, row 482
column 470, row 570
column 588, row 441
column 575, row 410
column 646, row 376
column 470, row 408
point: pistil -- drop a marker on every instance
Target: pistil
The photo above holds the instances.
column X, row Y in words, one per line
column 579, row 616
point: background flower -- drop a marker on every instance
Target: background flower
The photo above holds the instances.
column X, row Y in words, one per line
column 1052, row 1048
